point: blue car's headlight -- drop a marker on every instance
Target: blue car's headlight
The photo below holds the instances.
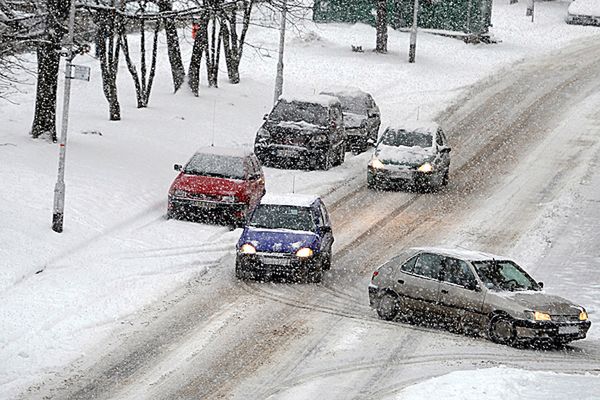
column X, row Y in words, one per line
column 247, row 248
column 304, row 252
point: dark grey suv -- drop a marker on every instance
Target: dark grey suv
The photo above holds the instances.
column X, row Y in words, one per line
column 475, row 292
column 303, row 132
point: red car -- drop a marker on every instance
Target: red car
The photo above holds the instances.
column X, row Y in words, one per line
column 217, row 182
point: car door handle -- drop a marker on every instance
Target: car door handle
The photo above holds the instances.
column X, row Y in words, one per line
column 444, row 291
column 401, row 281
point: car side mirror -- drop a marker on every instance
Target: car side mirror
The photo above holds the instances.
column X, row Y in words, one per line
column 541, row 284
column 326, row 229
column 472, row 285
column 254, row 177
column 177, row 167
column 265, row 117
column 445, row 150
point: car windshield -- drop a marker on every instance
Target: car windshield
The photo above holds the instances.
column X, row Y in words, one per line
column 401, row 137
column 356, row 105
column 504, row 275
column 219, row 166
column 295, row 111
column 273, row 216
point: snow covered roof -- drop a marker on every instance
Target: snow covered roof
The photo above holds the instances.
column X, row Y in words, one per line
column 324, row 100
column 470, row 255
column 224, row 151
column 417, row 125
column 585, row 7
column 346, row 91
column 289, row 199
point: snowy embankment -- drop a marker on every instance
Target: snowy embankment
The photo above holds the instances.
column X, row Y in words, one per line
column 62, row 293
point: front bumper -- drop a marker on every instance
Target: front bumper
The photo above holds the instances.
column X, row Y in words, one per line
column 550, row 330
column 279, row 264
column 190, row 206
column 399, row 175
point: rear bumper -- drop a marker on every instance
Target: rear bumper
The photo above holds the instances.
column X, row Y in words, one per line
column 282, row 151
column 217, row 208
column 549, row 330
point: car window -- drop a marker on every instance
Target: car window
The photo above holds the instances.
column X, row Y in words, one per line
column 296, row 111
column 428, row 265
column 214, row 165
column 274, row 216
column 504, row 275
column 409, row 265
column 457, row 272
column 401, row 137
column 325, row 214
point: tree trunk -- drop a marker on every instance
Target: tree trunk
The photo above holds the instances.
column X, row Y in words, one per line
column 44, row 119
column 200, row 45
column 173, row 50
column 233, row 45
column 212, row 54
column 381, row 27
column 108, row 52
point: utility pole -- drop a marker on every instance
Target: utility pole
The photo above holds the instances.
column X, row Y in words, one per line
column 413, row 34
column 59, row 189
column 279, row 77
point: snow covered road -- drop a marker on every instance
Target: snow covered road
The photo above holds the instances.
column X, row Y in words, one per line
column 220, row 338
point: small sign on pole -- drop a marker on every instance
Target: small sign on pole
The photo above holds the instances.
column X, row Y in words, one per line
column 80, row 72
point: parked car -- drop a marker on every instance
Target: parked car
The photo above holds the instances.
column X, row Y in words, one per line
column 303, row 132
column 287, row 235
column 477, row 292
column 584, row 12
column 361, row 117
column 414, row 154
column 218, row 182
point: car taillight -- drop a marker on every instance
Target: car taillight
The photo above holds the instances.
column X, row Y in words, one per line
column 375, row 273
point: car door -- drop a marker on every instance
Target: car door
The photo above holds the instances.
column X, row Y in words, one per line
column 461, row 298
column 418, row 283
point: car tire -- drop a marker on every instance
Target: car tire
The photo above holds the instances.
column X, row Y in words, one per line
column 387, row 309
column 445, row 178
column 501, row 330
column 316, row 275
column 324, row 161
column 239, row 272
column 341, row 157
column 326, row 264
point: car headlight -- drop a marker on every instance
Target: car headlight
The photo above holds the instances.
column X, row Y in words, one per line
column 180, row 193
column 583, row 316
column 427, row 167
column 540, row 316
column 247, row 248
column 376, row 163
column 304, row 252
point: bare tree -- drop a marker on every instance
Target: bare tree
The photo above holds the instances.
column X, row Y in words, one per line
column 200, row 45
column 173, row 50
column 233, row 44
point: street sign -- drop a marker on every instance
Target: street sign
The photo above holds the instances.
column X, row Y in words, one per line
column 80, row 72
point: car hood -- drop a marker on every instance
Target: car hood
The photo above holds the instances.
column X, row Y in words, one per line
column 403, row 155
column 208, row 185
column 278, row 240
column 352, row 120
column 540, row 301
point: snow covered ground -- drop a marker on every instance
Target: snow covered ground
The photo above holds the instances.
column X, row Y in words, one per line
column 62, row 293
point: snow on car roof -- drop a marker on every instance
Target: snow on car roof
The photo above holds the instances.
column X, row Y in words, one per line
column 346, row 91
column 324, row 100
column 417, row 125
column 289, row 199
column 465, row 254
column 225, row 151
column 585, row 7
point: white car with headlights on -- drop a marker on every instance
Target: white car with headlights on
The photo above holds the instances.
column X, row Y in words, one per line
column 414, row 154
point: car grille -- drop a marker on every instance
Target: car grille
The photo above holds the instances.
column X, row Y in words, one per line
column 565, row 318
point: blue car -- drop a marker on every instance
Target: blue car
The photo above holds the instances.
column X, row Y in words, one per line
column 286, row 235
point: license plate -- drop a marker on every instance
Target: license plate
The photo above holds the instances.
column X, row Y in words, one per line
column 205, row 204
column 568, row 330
column 286, row 153
column 401, row 174
column 275, row 261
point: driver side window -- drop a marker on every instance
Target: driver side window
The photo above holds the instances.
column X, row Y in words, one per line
column 458, row 272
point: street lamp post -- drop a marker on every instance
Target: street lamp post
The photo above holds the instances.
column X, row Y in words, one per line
column 59, row 189
column 412, row 51
column 279, row 77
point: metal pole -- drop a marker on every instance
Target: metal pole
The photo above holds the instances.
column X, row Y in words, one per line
column 59, row 189
column 413, row 34
column 279, row 77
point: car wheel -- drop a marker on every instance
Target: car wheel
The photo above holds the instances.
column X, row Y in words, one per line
column 388, row 307
column 239, row 273
column 326, row 265
column 341, row 155
column 371, row 184
column 502, row 330
column 316, row 276
column 325, row 160
column 445, row 178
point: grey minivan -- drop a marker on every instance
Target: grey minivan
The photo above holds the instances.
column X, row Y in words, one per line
column 477, row 292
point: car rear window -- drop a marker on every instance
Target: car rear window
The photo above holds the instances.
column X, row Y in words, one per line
column 295, row 111
column 400, row 137
column 215, row 165
column 272, row 216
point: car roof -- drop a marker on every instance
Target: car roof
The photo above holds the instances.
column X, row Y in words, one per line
column 239, row 152
column 416, row 125
column 321, row 99
column 464, row 254
column 345, row 91
column 289, row 199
